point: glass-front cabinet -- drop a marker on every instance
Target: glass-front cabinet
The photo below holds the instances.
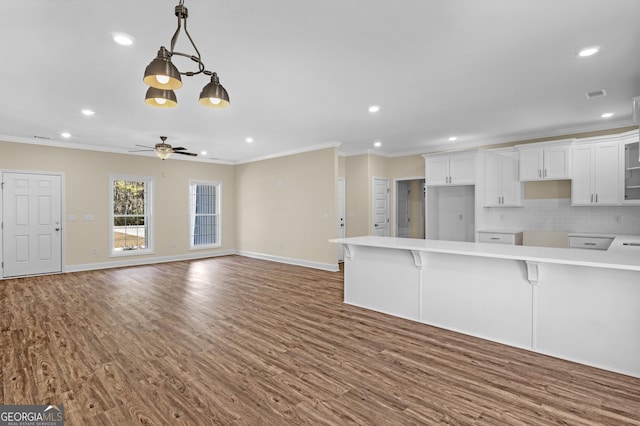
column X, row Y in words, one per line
column 631, row 170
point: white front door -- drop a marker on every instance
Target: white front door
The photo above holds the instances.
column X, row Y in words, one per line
column 32, row 224
column 341, row 212
column 403, row 209
column 380, row 207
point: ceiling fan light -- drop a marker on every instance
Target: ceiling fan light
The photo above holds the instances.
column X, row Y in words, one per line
column 163, row 153
column 161, row 73
column 161, row 98
column 213, row 95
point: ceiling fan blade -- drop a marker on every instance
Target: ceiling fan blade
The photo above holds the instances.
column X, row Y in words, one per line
column 193, row 154
column 141, row 150
column 179, row 148
column 145, row 146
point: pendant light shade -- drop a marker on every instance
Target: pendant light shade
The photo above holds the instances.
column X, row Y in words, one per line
column 161, row 98
column 213, row 95
column 161, row 73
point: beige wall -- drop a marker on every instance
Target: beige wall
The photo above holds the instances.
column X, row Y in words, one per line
column 415, row 197
column 547, row 189
column 287, row 206
column 86, row 191
column 275, row 207
column 357, row 179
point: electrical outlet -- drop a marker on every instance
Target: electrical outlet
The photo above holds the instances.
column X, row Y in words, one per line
column 617, row 219
column 95, row 251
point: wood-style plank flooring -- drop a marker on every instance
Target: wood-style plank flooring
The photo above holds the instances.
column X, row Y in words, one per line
column 240, row 341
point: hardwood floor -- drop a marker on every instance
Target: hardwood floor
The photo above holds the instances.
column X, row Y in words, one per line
column 234, row 340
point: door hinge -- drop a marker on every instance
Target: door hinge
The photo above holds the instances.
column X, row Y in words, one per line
column 388, row 190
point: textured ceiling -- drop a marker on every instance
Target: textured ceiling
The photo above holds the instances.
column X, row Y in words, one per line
column 302, row 74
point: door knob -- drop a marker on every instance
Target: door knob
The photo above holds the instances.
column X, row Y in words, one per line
column 375, row 225
column 57, row 229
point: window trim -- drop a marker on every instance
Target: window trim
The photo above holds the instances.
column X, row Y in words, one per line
column 149, row 194
column 218, row 186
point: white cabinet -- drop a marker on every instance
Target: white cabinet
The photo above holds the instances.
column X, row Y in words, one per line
column 545, row 160
column 630, row 173
column 502, row 185
column 500, row 237
column 452, row 169
column 595, row 174
column 590, row 242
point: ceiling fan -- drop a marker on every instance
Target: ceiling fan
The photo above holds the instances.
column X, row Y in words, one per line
column 164, row 150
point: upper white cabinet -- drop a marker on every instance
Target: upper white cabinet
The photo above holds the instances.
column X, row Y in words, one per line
column 545, row 160
column 630, row 172
column 502, row 185
column 450, row 169
column 596, row 171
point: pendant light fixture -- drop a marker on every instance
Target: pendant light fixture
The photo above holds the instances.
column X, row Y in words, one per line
column 163, row 77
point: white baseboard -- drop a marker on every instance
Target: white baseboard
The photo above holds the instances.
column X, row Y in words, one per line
column 146, row 261
column 194, row 256
column 290, row 261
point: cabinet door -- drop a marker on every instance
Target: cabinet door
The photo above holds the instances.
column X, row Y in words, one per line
column 437, row 170
column 531, row 164
column 510, row 182
column 607, row 168
column 462, row 169
column 582, row 179
column 557, row 163
column 492, row 179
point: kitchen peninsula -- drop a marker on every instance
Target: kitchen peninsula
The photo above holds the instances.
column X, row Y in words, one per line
column 579, row 305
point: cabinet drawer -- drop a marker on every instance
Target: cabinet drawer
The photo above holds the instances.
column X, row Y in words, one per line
column 592, row 243
column 500, row 238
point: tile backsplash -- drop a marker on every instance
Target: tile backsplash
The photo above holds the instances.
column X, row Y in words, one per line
column 558, row 215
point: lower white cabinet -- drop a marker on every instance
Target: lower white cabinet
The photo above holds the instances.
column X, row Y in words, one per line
column 590, row 242
column 501, row 237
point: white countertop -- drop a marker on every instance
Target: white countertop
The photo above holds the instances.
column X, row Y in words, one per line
column 501, row 231
column 618, row 256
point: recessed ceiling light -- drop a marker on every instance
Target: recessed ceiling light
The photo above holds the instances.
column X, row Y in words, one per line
column 122, row 39
column 66, row 135
column 453, row 138
column 88, row 112
column 249, row 140
column 607, row 115
column 203, row 152
column 588, row 51
column 374, row 108
column 377, row 144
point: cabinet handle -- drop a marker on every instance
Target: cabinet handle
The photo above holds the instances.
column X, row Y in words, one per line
column 539, row 172
column 596, row 198
column 545, row 172
column 495, row 238
column 591, row 198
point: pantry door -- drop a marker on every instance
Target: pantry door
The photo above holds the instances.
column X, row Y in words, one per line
column 32, row 224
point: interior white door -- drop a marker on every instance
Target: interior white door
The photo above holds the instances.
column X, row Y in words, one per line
column 342, row 231
column 403, row 209
column 380, row 207
column 32, row 227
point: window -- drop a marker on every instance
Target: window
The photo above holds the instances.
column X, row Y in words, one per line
column 131, row 215
column 205, row 214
